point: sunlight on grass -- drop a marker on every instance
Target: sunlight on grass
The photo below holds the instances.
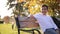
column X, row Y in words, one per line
column 7, row 29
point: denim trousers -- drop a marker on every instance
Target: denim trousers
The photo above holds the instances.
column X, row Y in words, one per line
column 50, row 31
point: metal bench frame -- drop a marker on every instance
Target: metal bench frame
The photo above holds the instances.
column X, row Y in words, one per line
column 20, row 29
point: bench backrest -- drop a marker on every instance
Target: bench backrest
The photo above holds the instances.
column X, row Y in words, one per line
column 23, row 24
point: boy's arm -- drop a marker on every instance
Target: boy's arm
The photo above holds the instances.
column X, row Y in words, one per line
column 52, row 22
column 30, row 19
column 55, row 26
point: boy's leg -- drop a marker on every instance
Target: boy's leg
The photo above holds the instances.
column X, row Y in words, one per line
column 50, row 31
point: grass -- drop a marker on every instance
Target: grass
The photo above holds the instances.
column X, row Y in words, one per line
column 7, row 29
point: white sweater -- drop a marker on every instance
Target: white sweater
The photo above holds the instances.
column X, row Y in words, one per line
column 45, row 22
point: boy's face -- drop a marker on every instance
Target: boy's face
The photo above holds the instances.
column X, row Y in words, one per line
column 44, row 10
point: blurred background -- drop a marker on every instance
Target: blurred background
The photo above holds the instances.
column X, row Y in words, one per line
column 10, row 8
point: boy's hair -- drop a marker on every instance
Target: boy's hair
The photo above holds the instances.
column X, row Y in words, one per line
column 45, row 6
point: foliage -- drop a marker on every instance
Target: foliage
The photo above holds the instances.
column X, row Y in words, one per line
column 54, row 6
column 30, row 5
column 17, row 6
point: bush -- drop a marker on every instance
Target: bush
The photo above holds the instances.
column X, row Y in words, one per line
column 1, row 22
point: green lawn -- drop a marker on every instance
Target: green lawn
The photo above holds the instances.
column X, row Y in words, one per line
column 6, row 29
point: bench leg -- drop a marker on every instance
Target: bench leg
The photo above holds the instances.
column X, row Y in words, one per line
column 33, row 32
column 18, row 31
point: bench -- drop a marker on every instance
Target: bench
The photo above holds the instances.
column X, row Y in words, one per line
column 21, row 24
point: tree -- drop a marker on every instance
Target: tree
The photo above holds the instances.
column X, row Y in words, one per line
column 53, row 5
column 18, row 6
column 30, row 5
column 17, row 10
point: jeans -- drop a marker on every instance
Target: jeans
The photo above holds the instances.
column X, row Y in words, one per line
column 50, row 31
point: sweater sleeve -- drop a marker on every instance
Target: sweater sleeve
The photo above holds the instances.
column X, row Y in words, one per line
column 54, row 25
